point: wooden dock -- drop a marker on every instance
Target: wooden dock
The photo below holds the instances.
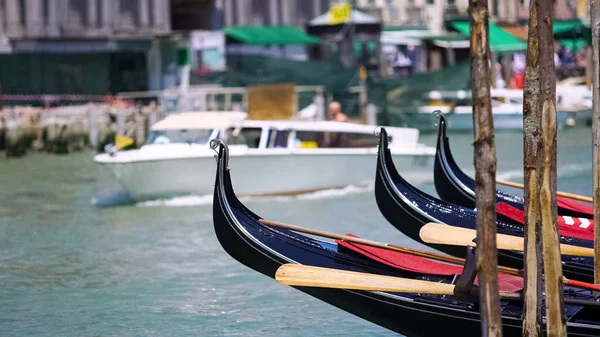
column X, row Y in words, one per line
column 67, row 129
column 73, row 128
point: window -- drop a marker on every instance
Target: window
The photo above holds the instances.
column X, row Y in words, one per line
column 244, row 136
column 430, row 2
column 312, row 139
column 362, row 140
column 278, row 139
column 178, row 136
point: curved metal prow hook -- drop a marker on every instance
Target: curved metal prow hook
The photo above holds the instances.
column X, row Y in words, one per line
column 437, row 116
column 222, row 152
column 377, row 130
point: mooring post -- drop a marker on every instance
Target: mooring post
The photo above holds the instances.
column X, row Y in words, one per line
column 121, row 118
column 152, row 118
column 595, row 18
column 92, row 126
column 485, row 170
column 555, row 309
column 532, row 310
column 14, row 136
column 140, row 127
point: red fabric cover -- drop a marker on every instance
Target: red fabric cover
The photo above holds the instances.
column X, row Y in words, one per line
column 422, row 265
column 575, row 206
column 568, row 226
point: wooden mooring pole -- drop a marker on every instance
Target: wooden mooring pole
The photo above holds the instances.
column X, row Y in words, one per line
column 555, row 310
column 595, row 18
column 485, row 170
column 532, row 309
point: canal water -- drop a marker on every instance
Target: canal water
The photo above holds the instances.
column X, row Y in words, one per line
column 69, row 267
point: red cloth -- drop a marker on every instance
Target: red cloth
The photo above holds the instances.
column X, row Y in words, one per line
column 580, row 228
column 519, row 80
column 422, row 265
column 575, row 206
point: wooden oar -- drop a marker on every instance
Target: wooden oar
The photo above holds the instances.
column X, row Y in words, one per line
column 433, row 256
column 444, row 234
column 560, row 194
column 309, row 276
column 457, row 236
column 428, row 255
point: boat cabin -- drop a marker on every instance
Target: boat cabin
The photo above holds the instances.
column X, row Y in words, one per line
column 232, row 127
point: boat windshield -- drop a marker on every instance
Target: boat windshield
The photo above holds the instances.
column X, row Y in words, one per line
column 179, row 136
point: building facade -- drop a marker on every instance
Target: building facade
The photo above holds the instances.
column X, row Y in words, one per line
column 433, row 13
column 82, row 46
column 271, row 12
column 83, row 19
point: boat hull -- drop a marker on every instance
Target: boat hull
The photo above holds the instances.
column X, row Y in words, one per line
column 454, row 186
column 260, row 175
column 409, row 209
column 580, row 117
column 463, row 122
column 264, row 249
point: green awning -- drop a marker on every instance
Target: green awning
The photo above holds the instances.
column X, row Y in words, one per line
column 574, row 44
column 567, row 26
column 270, row 35
column 500, row 40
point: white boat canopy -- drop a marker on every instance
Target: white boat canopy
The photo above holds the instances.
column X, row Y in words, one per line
column 199, row 120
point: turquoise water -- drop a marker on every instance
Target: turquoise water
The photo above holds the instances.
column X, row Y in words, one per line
column 69, row 268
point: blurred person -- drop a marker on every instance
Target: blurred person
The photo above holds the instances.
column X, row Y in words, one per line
column 335, row 111
column 500, row 82
column 337, row 139
column 519, row 62
column 581, row 58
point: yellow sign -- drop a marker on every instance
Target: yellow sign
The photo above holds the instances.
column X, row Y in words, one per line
column 122, row 141
column 363, row 73
column 272, row 101
column 582, row 7
column 340, row 13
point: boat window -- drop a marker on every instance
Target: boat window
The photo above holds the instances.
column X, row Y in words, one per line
column 313, row 139
column 278, row 138
column 362, row 140
column 178, row 136
column 310, row 139
column 244, row 136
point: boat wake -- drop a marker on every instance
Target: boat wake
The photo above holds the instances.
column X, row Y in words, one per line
column 115, row 199
column 198, row 200
column 188, row 200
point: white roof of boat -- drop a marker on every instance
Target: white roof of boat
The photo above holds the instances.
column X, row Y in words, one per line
column 226, row 119
column 200, row 120
column 331, row 126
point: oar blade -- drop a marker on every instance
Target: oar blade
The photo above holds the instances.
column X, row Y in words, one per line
column 309, row 276
column 457, row 236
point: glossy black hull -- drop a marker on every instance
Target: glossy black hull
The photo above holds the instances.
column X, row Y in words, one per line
column 264, row 249
column 408, row 209
column 454, row 186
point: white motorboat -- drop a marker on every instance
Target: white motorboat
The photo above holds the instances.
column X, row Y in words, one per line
column 267, row 157
column 573, row 104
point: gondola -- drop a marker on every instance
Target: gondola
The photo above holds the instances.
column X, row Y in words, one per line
column 265, row 249
column 408, row 209
column 453, row 185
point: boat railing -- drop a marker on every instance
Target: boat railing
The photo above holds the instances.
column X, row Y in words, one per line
column 565, row 95
column 209, row 97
